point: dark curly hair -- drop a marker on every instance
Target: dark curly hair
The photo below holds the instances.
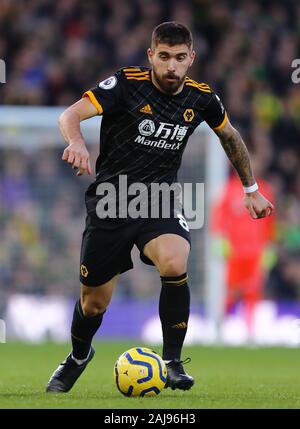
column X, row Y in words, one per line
column 172, row 33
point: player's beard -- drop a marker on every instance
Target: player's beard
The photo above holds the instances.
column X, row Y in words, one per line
column 170, row 87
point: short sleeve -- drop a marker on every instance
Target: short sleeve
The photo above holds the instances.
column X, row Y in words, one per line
column 214, row 113
column 108, row 95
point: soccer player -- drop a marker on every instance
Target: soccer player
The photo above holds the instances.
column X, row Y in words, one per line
column 148, row 116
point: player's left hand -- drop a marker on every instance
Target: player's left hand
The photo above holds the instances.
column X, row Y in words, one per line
column 257, row 205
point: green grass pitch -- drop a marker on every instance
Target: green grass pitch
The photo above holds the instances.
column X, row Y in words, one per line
column 224, row 378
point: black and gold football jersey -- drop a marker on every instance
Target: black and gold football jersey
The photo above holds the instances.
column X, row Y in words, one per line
column 145, row 131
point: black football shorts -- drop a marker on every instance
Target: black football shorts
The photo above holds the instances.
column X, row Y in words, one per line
column 107, row 244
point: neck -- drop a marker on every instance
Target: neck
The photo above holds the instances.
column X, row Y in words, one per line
column 156, row 84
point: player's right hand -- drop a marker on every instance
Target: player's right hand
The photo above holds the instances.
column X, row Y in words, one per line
column 77, row 155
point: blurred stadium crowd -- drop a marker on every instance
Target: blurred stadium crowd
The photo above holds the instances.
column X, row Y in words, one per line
column 56, row 50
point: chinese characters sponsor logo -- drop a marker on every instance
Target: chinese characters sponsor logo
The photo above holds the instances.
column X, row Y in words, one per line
column 170, row 136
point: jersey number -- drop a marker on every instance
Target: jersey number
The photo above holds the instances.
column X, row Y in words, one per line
column 183, row 222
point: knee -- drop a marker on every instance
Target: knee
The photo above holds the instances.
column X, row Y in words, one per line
column 173, row 265
column 92, row 308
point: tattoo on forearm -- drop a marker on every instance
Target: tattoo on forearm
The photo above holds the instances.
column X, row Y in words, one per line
column 238, row 154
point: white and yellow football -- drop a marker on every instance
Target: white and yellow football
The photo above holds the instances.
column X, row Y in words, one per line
column 140, row 372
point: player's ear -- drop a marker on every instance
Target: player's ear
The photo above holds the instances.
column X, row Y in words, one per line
column 150, row 55
column 193, row 54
